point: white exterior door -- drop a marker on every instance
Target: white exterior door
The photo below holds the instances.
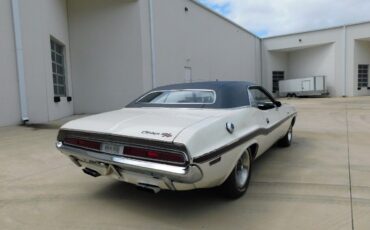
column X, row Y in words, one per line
column 306, row 85
column 188, row 75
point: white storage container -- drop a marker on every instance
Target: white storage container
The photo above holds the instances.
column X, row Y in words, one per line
column 311, row 86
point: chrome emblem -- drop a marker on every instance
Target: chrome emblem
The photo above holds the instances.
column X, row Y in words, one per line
column 230, row 127
column 168, row 135
column 150, row 133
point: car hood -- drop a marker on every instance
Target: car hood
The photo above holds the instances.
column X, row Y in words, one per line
column 162, row 124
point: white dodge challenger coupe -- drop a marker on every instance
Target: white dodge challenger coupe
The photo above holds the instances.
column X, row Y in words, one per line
column 182, row 137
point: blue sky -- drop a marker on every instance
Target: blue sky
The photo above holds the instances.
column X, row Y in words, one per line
column 222, row 8
column 273, row 17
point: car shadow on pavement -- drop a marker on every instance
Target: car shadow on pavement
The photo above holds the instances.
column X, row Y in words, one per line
column 120, row 191
column 189, row 204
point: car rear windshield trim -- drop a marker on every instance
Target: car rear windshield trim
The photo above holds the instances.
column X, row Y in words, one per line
column 179, row 97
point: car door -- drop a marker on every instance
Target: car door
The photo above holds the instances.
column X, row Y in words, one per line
column 271, row 114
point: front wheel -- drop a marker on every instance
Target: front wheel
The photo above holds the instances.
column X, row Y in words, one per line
column 237, row 183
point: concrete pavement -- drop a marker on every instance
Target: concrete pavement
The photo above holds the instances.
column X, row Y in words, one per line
column 321, row 182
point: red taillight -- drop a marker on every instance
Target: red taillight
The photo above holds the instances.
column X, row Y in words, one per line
column 152, row 154
column 176, row 158
column 82, row 143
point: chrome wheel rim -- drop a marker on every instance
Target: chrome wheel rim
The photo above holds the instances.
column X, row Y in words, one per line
column 242, row 170
column 290, row 134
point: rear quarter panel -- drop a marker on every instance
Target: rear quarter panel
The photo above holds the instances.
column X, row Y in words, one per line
column 211, row 134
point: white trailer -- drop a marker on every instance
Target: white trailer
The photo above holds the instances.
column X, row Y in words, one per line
column 311, row 86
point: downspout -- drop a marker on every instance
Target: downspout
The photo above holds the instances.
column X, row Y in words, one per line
column 261, row 60
column 152, row 44
column 345, row 61
column 20, row 60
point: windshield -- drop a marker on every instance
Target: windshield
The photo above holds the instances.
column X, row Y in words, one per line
column 172, row 97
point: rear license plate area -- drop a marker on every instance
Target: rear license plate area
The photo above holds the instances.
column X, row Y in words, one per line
column 113, row 149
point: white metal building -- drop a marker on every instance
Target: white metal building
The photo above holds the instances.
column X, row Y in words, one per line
column 64, row 57
column 342, row 54
column 90, row 56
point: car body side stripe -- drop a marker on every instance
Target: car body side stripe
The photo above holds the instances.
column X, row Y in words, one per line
column 218, row 152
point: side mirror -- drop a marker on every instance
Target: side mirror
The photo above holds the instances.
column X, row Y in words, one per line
column 266, row 106
column 278, row 103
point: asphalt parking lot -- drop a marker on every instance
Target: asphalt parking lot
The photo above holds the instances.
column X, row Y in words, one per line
column 321, row 182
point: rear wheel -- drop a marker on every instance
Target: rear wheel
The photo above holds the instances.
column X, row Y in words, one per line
column 286, row 141
column 237, row 183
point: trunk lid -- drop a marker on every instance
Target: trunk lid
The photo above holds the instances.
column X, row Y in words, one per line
column 162, row 124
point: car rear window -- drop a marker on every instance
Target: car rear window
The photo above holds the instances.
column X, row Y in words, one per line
column 173, row 97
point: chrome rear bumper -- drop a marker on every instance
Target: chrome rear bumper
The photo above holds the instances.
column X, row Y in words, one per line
column 109, row 164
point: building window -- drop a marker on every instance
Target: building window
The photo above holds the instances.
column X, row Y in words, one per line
column 276, row 77
column 363, row 76
column 58, row 66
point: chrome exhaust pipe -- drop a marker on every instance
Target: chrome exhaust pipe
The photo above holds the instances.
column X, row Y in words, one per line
column 149, row 187
column 91, row 172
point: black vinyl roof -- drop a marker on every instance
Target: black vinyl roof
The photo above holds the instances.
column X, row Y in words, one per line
column 229, row 94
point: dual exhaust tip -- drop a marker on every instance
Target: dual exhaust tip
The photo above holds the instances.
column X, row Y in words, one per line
column 91, row 172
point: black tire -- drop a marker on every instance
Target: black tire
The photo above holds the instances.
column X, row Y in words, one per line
column 286, row 141
column 237, row 183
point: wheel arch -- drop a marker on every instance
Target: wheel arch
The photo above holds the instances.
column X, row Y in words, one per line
column 293, row 121
column 254, row 149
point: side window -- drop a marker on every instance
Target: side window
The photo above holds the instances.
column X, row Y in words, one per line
column 260, row 99
column 363, row 76
column 58, row 68
column 276, row 77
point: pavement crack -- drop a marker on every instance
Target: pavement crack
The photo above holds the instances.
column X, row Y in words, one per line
column 349, row 167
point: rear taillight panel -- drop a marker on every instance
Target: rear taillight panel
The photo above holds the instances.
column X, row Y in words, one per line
column 155, row 155
column 86, row 144
column 142, row 153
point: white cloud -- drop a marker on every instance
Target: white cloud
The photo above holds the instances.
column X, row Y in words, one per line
column 273, row 17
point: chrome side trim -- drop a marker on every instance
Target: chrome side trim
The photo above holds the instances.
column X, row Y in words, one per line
column 183, row 174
